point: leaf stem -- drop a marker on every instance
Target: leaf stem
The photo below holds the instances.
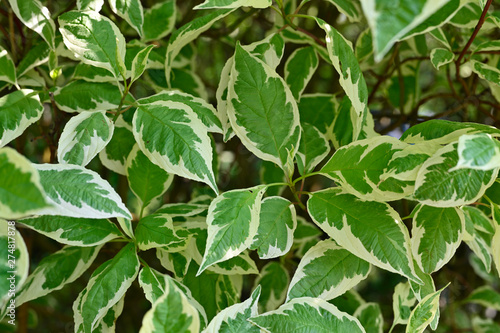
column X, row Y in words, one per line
column 306, row 176
column 125, row 93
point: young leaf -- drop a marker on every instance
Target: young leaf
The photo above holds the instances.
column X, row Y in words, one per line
column 313, row 148
column 78, row 192
column 94, row 39
column 234, row 214
column 7, row 67
column 147, row 180
column 424, row 313
column 114, row 155
column 327, row 271
column 56, row 271
column 437, row 185
column 131, row 11
column 254, row 119
column 20, row 109
column 233, row 4
column 182, row 209
column 108, row 322
column 436, row 235
column 36, row 17
column 92, row 5
column 441, row 57
column 370, row 317
column 388, row 28
column 73, row 231
column 308, row 314
column 403, row 300
column 106, row 286
column 350, row 9
column 350, row 222
column 21, row 193
column 486, row 72
column 83, row 137
column 139, row 63
column 478, row 152
column 277, row 222
column 235, row 317
column 164, row 12
column 155, row 230
column 171, row 312
column 274, row 280
column 172, row 136
column 299, row 69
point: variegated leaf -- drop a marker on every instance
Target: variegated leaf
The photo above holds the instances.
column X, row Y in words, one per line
column 83, row 137
column 277, row 223
column 20, row 109
column 274, row 280
column 154, row 231
column 233, row 4
column 7, row 67
column 307, row 314
column 21, row 193
column 485, row 296
column 79, row 192
column 350, row 222
column 313, row 148
column 327, row 271
column 131, row 11
column 139, row 63
column 182, row 209
column 437, row 185
column 114, row 155
column 299, row 69
column 164, row 12
column 350, row 9
column 73, row 231
column 479, row 230
column 441, row 57
column 93, row 5
column 403, row 300
column 370, row 317
column 478, row 152
column 424, row 313
column 235, row 214
column 56, row 271
column 108, row 322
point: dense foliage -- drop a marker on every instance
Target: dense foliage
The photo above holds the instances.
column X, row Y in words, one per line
column 249, row 165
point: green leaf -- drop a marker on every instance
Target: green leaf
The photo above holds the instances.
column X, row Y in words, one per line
column 313, row 148
column 73, row 231
column 147, row 180
column 7, row 67
column 235, row 317
column 182, row 209
column 477, row 226
column 106, row 286
column 139, row 63
column 467, row 16
column 19, row 110
column 327, row 271
column 317, row 110
column 233, row 4
column 78, row 192
column 439, row 131
column 79, row 96
column 21, row 193
column 274, row 280
column 350, row 222
column 277, row 222
column 424, row 313
column 440, row 57
column 233, row 220
column 485, row 296
column 155, row 230
column 114, row 155
column 299, row 69
column 403, row 300
column 56, row 271
column 83, row 137
column 388, row 28
column 36, row 17
column 131, row 11
column 478, row 152
column 189, row 32
column 308, row 315
column 171, row 312
column 172, row 136
column 486, row 72
column 108, row 322
column 437, row 185
column 93, row 74
column 94, row 39
column 93, row 5
column 436, row 235
column 35, row 56
column 254, row 119
column 370, row 317
column 14, row 263
column 350, row 9
column 164, row 12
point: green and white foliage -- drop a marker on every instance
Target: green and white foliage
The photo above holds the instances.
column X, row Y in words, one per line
column 436, row 235
column 14, row 263
column 327, row 271
column 277, row 223
column 251, row 117
column 140, row 62
column 114, row 156
column 349, row 221
column 299, row 69
column 93, row 5
column 423, row 314
column 57, row 270
column 171, row 312
column 165, row 11
column 233, row 4
column 94, row 39
column 234, row 213
column 73, row 231
column 403, row 300
column 351, row 9
column 478, row 152
column 78, row 192
column 83, row 137
column 235, row 318
column 131, row 11
column 7, row 67
column 478, row 234
column 313, row 149
column 370, row 317
column 19, row 109
column 437, row 185
column 274, row 280
column 172, row 136
column 106, row 286
column 485, row 296
column 21, row 192
column 154, row 231
column 308, row 314
column 441, row 57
